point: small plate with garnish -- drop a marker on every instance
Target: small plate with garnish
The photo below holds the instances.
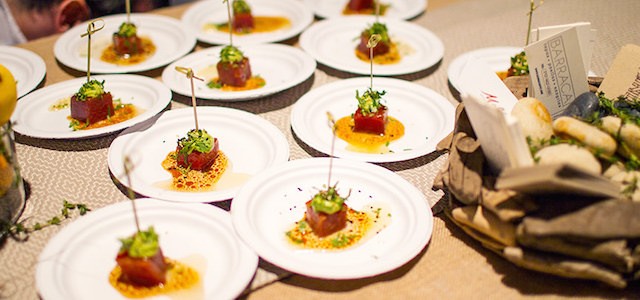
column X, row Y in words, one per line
column 45, row 113
column 278, row 67
column 498, row 58
column 27, row 68
column 397, row 9
column 76, row 263
column 425, row 115
column 249, row 143
column 275, row 20
column 163, row 40
column 333, row 43
column 272, row 204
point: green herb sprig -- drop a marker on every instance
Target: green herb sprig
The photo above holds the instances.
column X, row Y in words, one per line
column 231, row 54
column 241, row 6
column 20, row 231
column 90, row 89
column 196, row 140
column 127, row 30
column 370, row 101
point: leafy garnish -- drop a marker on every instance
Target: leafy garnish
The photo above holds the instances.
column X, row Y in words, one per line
column 90, row 89
column 519, row 64
column 328, row 201
column 196, row 140
column 231, row 54
column 241, row 6
column 20, row 232
column 370, row 101
column 127, row 30
column 142, row 244
column 378, row 28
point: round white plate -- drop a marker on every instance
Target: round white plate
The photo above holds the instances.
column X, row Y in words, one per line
column 251, row 143
column 77, row 261
column 281, row 66
column 215, row 12
column 332, row 42
column 273, row 201
column 399, row 9
column 27, row 68
column 32, row 116
column 498, row 58
column 427, row 117
column 171, row 37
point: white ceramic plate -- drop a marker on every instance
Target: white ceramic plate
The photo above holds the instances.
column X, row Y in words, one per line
column 400, row 9
column 27, row 68
column 273, row 201
column 251, row 143
column 34, row 118
column 498, row 58
column 215, row 12
column 281, row 66
column 77, row 261
column 332, row 42
column 427, row 116
column 171, row 38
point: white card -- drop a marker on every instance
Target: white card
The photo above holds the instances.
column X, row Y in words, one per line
column 586, row 38
column 556, row 70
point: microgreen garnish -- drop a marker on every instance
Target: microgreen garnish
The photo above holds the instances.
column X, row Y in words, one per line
column 196, row 140
column 90, row 89
column 127, row 30
column 370, row 101
column 231, row 54
column 241, row 6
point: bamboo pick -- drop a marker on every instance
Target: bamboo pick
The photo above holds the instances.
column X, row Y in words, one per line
column 91, row 29
column 128, row 8
column 374, row 39
column 128, row 166
column 189, row 73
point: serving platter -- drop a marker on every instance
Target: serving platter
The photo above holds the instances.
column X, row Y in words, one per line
column 270, row 204
column 171, row 38
column 27, row 68
column 76, row 262
column 427, row 117
column 251, row 143
column 34, row 115
column 399, row 9
column 281, row 66
column 202, row 15
column 332, row 42
column 498, row 58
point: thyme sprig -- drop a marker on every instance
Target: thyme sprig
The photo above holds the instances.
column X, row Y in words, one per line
column 19, row 231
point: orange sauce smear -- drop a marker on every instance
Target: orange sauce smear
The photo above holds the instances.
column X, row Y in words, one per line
column 261, row 24
column 358, row 224
column 192, row 180
column 368, row 11
column 367, row 142
column 109, row 54
column 391, row 57
column 255, row 82
column 122, row 113
column 179, row 277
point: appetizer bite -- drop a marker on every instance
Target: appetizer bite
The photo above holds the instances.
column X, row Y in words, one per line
column 371, row 114
column 366, row 7
column 326, row 212
column 197, row 163
column 233, row 68
column 127, row 48
column 93, row 107
column 244, row 22
column 384, row 52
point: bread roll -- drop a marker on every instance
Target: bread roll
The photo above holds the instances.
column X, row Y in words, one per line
column 573, row 155
column 534, row 119
column 592, row 137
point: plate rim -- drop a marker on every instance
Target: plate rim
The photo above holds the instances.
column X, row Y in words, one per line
column 159, row 104
column 430, row 38
column 266, row 252
column 421, row 8
column 34, row 60
column 118, row 145
column 298, row 122
column 308, row 69
column 457, row 63
column 56, row 245
column 68, row 36
column 308, row 18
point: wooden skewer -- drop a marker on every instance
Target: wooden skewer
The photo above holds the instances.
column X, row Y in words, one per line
column 332, row 124
column 229, row 22
column 91, row 29
column 189, row 73
column 371, row 43
column 128, row 8
column 128, row 166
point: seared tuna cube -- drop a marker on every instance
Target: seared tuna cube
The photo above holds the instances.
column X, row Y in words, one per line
column 234, row 74
column 372, row 123
column 92, row 110
column 126, row 45
column 147, row 272
column 197, row 160
column 324, row 224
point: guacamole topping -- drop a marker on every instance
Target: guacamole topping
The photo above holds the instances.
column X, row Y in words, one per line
column 127, row 30
column 90, row 89
column 370, row 101
column 328, row 201
column 231, row 54
column 142, row 244
column 378, row 28
column 241, row 6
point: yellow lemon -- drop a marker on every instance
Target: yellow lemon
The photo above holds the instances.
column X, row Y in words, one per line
column 8, row 94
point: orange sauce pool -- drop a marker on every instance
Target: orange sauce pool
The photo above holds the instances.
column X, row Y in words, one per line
column 180, row 277
column 122, row 113
column 391, row 57
column 261, row 24
column 255, row 82
column 367, row 142
column 192, row 180
column 148, row 48
column 369, row 11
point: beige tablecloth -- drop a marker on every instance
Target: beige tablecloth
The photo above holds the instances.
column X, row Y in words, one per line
column 451, row 266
